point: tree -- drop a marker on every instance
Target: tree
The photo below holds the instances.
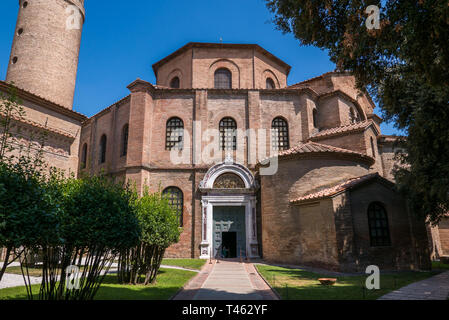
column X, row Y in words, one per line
column 159, row 225
column 95, row 223
column 23, row 203
column 404, row 65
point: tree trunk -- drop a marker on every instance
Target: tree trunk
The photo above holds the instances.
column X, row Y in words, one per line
column 5, row 262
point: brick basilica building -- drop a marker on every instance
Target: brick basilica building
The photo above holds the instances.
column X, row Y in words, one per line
column 200, row 134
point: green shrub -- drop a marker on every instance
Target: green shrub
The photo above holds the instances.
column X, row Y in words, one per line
column 159, row 229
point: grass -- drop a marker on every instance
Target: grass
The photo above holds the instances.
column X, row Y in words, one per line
column 169, row 281
column 438, row 265
column 34, row 272
column 195, row 264
column 297, row 284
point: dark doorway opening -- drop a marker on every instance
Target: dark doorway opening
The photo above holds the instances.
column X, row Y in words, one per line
column 229, row 244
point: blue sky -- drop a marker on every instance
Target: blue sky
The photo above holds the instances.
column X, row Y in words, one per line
column 122, row 39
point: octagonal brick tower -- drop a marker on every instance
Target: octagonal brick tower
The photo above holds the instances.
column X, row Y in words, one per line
column 45, row 50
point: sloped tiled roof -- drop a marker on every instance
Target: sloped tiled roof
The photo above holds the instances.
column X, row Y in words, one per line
column 328, row 192
column 43, row 102
column 313, row 147
column 318, row 148
column 359, row 126
column 41, row 126
column 304, row 83
column 190, row 45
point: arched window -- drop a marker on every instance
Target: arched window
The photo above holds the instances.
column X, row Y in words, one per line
column 125, row 134
column 378, row 225
column 279, row 133
column 315, row 118
column 84, row 156
column 373, row 150
column 175, row 83
column 176, row 200
column 352, row 116
column 228, row 134
column 223, row 79
column 174, row 139
column 103, row 141
column 270, row 84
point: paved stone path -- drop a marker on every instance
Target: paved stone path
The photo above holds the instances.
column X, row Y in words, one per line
column 227, row 280
column 434, row 288
column 16, row 280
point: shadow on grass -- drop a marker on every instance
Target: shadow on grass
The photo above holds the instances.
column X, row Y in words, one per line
column 168, row 283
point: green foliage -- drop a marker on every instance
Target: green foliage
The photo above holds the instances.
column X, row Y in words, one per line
column 159, row 229
column 404, row 65
column 159, row 222
column 96, row 222
column 97, row 212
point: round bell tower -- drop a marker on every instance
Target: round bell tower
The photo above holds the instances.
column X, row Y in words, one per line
column 45, row 50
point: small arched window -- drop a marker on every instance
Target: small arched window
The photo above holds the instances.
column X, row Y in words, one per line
column 315, row 118
column 228, row 134
column 223, row 79
column 125, row 134
column 279, row 134
column 175, row 83
column 379, row 231
column 270, row 84
column 84, row 156
column 373, row 150
column 103, row 141
column 175, row 198
column 174, row 139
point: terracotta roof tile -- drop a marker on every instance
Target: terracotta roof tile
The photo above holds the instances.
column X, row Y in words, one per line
column 303, row 83
column 324, row 193
column 41, row 126
column 313, row 147
column 362, row 125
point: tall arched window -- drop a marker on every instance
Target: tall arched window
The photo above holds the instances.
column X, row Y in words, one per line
column 279, row 134
column 84, row 156
column 125, row 134
column 379, row 231
column 223, row 79
column 373, row 150
column 174, row 138
column 228, row 134
column 176, row 200
column 175, row 83
column 315, row 118
column 270, row 84
column 103, row 141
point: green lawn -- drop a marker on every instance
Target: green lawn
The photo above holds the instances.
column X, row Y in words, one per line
column 437, row 265
column 34, row 272
column 195, row 264
column 169, row 281
column 297, row 284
